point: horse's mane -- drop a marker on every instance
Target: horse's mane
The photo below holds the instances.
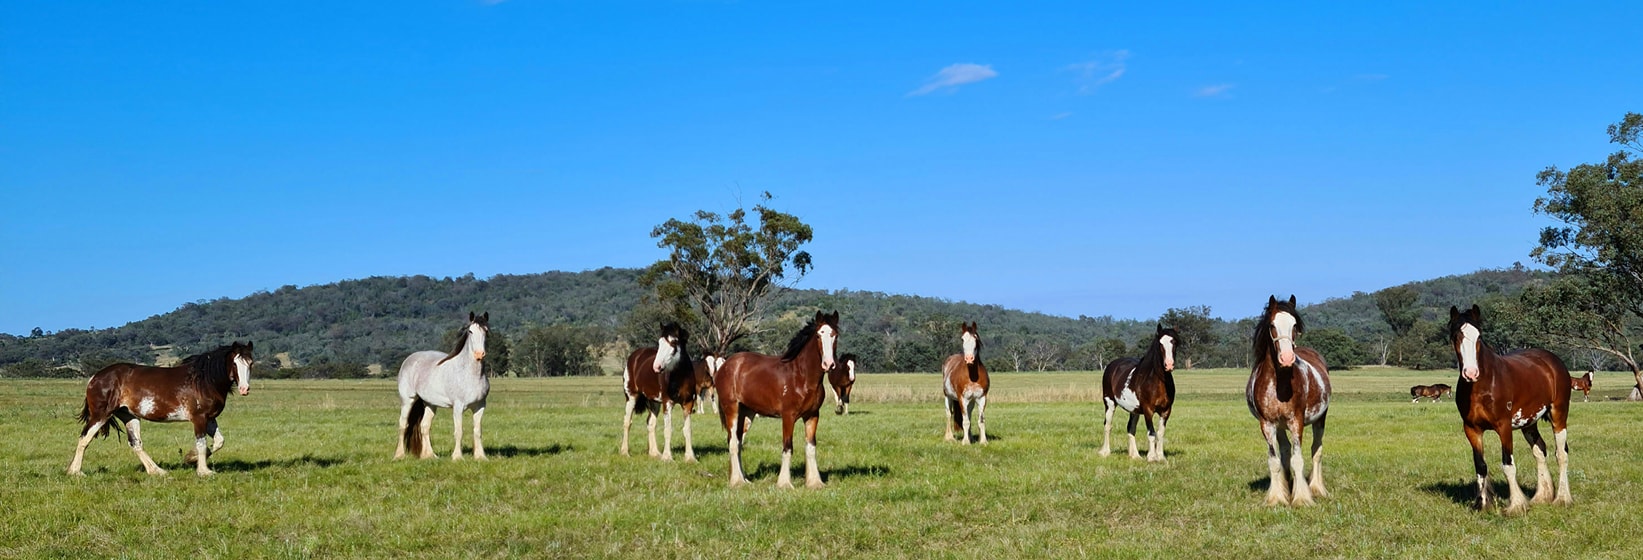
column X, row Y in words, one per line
column 1155, row 351
column 800, row 340
column 461, row 342
column 209, row 366
column 1260, row 341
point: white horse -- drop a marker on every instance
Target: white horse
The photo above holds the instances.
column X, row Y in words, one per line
column 434, row 379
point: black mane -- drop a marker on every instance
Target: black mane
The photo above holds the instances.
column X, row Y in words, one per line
column 800, row 340
column 211, row 367
column 1154, row 356
column 1261, row 340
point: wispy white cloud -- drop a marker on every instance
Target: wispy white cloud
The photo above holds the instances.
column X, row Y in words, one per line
column 1092, row 74
column 1216, row 90
column 954, row 76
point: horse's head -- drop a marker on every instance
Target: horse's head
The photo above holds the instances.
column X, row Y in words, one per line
column 971, row 340
column 1167, row 340
column 848, row 363
column 1464, row 334
column 478, row 327
column 827, row 332
column 670, row 348
column 1280, row 326
column 240, row 373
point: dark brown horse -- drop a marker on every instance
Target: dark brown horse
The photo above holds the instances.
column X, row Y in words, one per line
column 1142, row 387
column 1506, row 393
column 1434, row 392
column 789, row 387
column 656, row 379
column 194, row 391
column 1584, row 385
column 1288, row 391
column 965, row 385
column 842, row 377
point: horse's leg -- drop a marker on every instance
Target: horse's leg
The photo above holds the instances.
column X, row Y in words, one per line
column 1543, row 477
column 427, row 427
column 456, row 426
column 404, row 424
column 981, row 417
column 1516, row 502
column 1560, row 438
column 812, row 469
column 948, row 403
column 667, row 431
column 1299, row 493
column 966, row 408
column 1134, row 418
column 838, row 401
column 627, row 421
column 1277, row 491
column 1154, row 451
column 785, row 480
column 134, row 436
column 1107, row 407
column 690, row 448
column 479, row 441
column 1474, row 436
column 652, row 410
column 846, row 395
column 85, row 440
column 730, row 415
column 1317, row 485
column 216, row 437
column 201, row 435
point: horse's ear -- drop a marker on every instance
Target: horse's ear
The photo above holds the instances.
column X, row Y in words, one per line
column 486, row 318
column 470, row 316
column 1477, row 314
column 819, row 317
column 1160, row 329
column 1292, row 300
column 1271, row 300
column 247, row 345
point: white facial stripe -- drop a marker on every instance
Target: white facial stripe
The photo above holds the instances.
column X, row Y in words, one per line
column 1284, row 323
column 828, row 337
column 244, row 367
column 969, row 344
column 1469, row 347
column 1169, row 348
column 667, row 355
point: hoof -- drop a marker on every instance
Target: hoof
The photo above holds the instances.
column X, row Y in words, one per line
column 786, row 485
column 1319, row 492
column 815, row 485
column 1563, row 500
column 1541, row 499
column 1276, row 501
column 480, row 457
column 735, row 482
column 205, row 473
column 1515, row 510
column 690, row 458
column 1302, row 501
column 838, row 411
column 72, row 472
column 158, row 472
column 1104, row 452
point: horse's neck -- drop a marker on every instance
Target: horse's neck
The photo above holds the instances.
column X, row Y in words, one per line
column 216, row 383
column 807, row 365
column 461, row 364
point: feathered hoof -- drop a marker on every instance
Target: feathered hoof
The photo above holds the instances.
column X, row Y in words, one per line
column 1276, row 500
column 1302, row 501
column 1515, row 509
column 1103, row 452
column 815, row 484
column 205, row 473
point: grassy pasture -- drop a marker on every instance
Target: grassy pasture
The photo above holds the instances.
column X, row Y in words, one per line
column 306, row 472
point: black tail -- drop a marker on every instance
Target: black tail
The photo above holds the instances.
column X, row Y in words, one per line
column 413, row 427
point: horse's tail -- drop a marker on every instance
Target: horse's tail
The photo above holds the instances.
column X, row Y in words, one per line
column 413, row 426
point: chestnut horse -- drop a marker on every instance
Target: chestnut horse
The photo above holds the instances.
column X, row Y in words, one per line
column 965, row 385
column 432, row 379
column 1288, row 391
column 1434, row 392
column 1142, row 387
column 194, row 391
column 1505, row 393
column 842, row 377
column 788, row 387
column 1584, row 385
column 656, row 379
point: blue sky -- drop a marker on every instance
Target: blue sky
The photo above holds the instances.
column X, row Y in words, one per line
column 1066, row 157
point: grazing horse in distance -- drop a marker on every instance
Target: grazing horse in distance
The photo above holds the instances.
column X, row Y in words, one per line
column 194, row 391
column 705, row 368
column 842, row 377
column 431, row 379
column 1288, row 390
column 1142, row 387
column 1434, row 392
column 1506, row 393
column 656, row 379
column 1584, row 385
column 789, row 387
column 965, row 385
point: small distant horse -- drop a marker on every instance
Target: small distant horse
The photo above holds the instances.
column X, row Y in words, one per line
column 1584, row 385
column 1142, row 387
column 656, row 379
column 965, row 385
column 194, row 391
column 1434, row 392
column 1288, row 391
column 1505, row 393
column 789, row 387
column 842, row 377
column 432, row 379
column 706, row 367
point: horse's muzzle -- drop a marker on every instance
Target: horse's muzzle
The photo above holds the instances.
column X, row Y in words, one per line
column 245, row 391
column 479, row 354
column 1470, row 374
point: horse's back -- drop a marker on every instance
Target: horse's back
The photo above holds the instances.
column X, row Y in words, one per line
column 415, row 370
column 1112, row 378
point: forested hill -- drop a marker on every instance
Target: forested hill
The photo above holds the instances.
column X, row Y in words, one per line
column 381, row 320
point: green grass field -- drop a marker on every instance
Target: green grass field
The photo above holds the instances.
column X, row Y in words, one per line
column 307, row 472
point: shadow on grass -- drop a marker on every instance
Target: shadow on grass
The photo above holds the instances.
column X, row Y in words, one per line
column 856, row 413
column 236, row 465
column 516, row 451
column 702, row 450
column 852, row 471
column 1462, row 492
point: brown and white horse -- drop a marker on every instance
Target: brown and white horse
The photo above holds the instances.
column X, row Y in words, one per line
column 1142, row 387
column 656, row 379
column 194, row 391
column 705, row 368
column 1434, row 392
column 1506, row 393
column 1288, row 391
column 965, row 385
column 1584, row 385
column 789, row 387
column 842, row 377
